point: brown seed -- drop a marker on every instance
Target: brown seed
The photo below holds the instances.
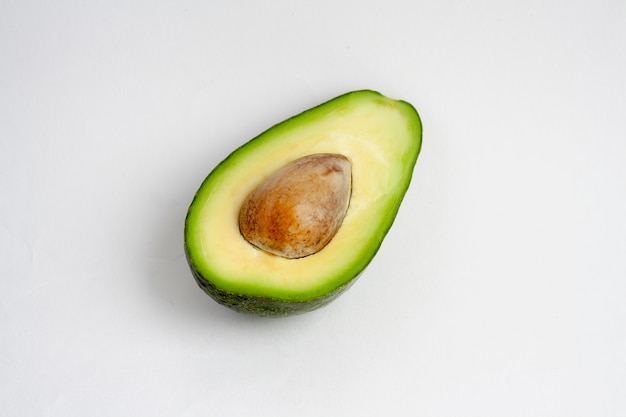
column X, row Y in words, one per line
column 299, row 208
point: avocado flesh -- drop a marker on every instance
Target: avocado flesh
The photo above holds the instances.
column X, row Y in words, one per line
column 382, row 139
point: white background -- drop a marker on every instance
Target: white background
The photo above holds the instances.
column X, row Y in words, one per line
column 499, row 291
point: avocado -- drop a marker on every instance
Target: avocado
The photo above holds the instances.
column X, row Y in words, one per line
column 288, row 221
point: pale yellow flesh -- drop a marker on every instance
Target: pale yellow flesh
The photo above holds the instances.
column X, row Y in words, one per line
column 363, row 135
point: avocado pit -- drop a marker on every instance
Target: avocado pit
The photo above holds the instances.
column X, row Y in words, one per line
column 297, row 210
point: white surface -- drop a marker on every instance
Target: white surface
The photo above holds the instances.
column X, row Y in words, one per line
column 498, row 292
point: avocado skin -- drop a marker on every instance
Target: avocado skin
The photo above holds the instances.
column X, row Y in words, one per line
column 263, row 306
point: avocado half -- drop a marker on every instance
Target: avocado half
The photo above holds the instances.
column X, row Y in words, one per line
column 382, row 139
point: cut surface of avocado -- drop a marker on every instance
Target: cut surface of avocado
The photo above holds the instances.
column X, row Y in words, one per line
column 381, row 139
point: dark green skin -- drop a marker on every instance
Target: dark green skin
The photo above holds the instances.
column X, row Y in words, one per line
column 263, row 306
